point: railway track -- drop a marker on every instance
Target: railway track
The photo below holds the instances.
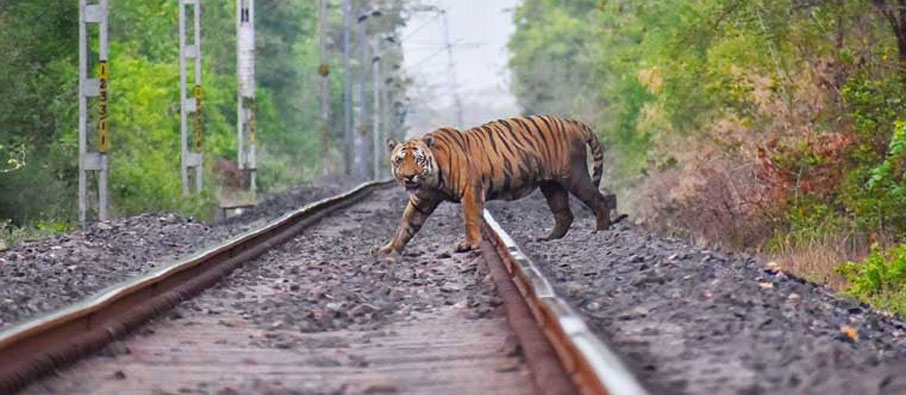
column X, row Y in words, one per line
column 297, row 307
column 691, row 320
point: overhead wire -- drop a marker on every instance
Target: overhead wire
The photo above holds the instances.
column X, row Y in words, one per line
column 441, row 49
column 423, row 25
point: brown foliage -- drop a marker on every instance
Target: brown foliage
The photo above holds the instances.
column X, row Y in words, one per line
column 816, row 168
column 730, row 181
column 229, row 174
column 713, row 201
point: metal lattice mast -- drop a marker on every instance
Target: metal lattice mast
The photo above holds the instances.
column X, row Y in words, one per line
column 324, row 71
column 95, row 161
column 457, row 101
column 246, row 105
column 190, row 158
column 347, row 88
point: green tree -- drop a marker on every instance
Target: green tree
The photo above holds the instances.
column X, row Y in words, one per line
column 38, row 81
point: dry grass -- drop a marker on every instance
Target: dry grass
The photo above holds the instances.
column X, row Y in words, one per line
column 722, row 187
column 817, row 260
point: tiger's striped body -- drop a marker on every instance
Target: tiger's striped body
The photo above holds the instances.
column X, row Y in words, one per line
column 505, row 159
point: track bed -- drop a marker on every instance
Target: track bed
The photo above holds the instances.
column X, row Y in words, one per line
column 320, row 315
column 41, row 276
column 693, row 321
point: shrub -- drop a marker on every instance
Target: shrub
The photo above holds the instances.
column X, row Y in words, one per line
column 875, row 192
column 880, row 278
column 12, row 235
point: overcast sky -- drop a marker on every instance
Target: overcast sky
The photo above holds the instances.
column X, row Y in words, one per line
column 479, row 30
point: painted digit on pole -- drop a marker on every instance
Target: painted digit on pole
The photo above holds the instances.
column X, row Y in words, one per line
column 103, row 74
column 198, row 123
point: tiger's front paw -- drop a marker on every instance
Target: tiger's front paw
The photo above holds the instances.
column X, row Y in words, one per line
column 467, row 246
column 382, row 250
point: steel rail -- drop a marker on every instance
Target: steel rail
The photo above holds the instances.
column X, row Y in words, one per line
column 593, row 368
column 38, row 346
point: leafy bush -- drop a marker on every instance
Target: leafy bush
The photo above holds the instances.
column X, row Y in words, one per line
column 880, row 278
column 874, row 105
column 11, row 235
column 809, row 219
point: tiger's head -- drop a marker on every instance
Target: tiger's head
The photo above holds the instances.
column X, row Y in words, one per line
column 413, row 162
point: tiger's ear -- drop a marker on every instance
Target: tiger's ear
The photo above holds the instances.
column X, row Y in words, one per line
column 429, row 140
column 391, row 144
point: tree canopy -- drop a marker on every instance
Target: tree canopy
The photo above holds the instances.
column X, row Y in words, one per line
column 39, row 113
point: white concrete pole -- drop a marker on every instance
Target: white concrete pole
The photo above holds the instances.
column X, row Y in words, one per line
column 245, row 69
column 197, row 156
column 93, row 87
column 191, row 105
column 183, row 144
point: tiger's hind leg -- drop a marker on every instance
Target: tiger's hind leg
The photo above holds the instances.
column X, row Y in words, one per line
column 581, row 186
column 558, row 201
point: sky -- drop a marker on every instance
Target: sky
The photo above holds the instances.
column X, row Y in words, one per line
column 479, row 30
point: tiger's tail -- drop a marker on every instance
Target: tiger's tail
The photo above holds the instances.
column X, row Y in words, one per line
column 597, row 154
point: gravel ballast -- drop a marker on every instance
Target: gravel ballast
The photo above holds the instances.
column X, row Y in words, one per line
column 326, row 278
column 40, row 276
column 694, row 321
column 687, row 320
column 321, row 315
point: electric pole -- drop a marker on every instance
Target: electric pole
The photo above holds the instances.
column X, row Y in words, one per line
column 376, row 123
column 246, row 106
column 347, row 88
column 190, row 159
column 360, row 159
column 360, row 152
column 457, row 102
column 95, row 161
column 386, row 121
column 324, row 71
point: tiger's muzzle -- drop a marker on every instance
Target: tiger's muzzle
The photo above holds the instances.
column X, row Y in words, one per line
column 412, row 182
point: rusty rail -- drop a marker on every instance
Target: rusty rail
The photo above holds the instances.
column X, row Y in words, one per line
column 593, row 368
column 38, row 346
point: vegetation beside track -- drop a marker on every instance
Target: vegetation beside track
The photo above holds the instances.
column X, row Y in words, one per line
column 769, row 126
column 39, row 110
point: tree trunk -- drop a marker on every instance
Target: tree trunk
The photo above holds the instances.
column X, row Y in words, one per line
column 895, row 13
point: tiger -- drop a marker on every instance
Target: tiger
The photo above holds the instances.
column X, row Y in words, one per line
column 506, row 159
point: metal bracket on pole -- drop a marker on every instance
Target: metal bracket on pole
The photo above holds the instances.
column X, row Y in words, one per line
column 93, row 161
column 245, row 99
column 191, row 156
